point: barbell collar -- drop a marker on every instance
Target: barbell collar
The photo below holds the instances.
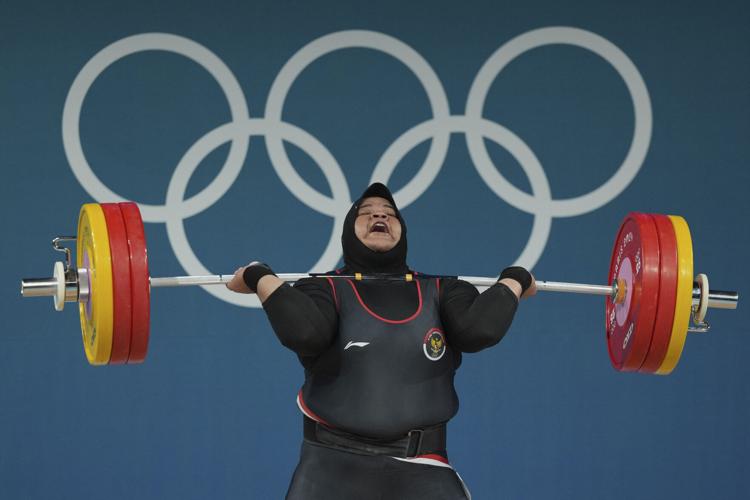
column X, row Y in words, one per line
column 56, row 244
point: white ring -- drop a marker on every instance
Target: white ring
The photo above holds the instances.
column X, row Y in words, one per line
column 131, row 45
column 641, row 107
column 355, row 39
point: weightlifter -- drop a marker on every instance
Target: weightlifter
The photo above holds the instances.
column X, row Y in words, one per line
column 379, row 359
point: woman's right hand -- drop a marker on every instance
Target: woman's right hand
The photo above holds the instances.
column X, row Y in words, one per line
column 237, row 283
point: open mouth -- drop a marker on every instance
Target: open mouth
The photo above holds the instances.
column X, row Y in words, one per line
column 379, row 227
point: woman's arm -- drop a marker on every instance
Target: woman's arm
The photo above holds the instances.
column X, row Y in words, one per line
column 304, row 318
column 475, row 321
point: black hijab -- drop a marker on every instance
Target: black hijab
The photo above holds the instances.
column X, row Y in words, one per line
column 360, row 259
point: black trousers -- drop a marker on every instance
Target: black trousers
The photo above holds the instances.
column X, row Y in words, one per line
column 325, row 473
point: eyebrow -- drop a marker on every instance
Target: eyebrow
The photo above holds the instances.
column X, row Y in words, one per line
column 366, row 205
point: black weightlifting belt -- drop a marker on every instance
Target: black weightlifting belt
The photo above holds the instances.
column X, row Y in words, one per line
column 430, row 440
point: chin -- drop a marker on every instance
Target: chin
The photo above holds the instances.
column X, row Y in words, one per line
column 380, row 247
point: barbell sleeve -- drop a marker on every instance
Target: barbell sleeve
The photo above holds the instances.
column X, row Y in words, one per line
column 38, row 287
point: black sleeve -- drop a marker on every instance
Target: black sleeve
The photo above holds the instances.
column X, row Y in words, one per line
column 475, row 321
column 304, row 318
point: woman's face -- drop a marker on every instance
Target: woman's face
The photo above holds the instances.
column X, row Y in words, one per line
column 376, row 225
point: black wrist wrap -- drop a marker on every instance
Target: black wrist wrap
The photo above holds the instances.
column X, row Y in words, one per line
column 254, row 273
column 519, row 274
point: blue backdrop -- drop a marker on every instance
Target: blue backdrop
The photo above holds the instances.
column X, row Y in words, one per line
column 510, row 131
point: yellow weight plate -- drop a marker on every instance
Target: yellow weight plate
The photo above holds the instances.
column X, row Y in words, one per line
column 93, row 253
column 684, row 303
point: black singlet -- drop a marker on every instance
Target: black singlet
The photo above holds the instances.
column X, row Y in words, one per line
column 381, row 377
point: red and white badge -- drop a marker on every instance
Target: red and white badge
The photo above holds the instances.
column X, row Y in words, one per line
column 434, row 344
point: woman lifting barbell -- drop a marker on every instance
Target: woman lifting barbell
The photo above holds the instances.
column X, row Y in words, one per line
column 379, row 343
column 379, row 359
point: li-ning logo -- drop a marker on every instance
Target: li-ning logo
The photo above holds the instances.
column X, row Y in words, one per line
column 437, row 130
column 356, row 344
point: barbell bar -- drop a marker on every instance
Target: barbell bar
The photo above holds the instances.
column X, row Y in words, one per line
column 717, row 299
column 48, row 287
column 652, row 295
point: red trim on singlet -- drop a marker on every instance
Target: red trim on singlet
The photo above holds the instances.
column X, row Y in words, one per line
column 333, row 289
column 433, row 456
column 386, row 320
column 307, row 411
column 437, row 283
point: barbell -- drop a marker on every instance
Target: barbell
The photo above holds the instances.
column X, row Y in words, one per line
column 651, row 296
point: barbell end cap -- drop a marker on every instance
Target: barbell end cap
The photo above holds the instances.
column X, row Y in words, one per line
column 38, row 287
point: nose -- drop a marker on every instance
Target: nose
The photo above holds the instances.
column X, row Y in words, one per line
column 380, row 215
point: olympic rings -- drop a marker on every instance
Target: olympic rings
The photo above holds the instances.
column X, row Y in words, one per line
column 438, row 129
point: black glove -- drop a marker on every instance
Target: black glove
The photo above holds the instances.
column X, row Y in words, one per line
column 519, row 274
column 254, row 272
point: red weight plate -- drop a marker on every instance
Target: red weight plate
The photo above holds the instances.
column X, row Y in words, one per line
column 667, row 294
column 141, row 289
column 635, row 261
column 122, row 310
